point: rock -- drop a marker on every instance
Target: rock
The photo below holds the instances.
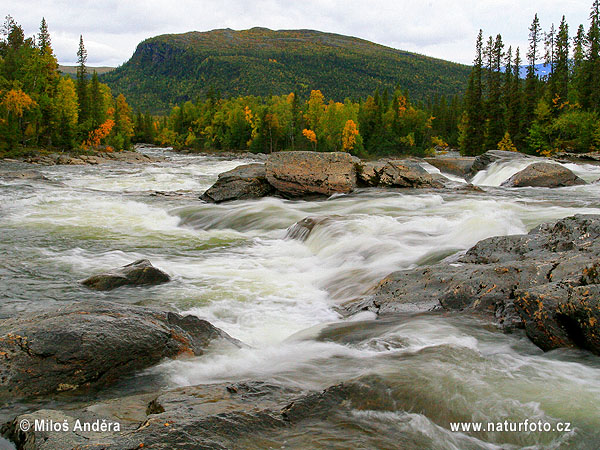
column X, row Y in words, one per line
column 23, row 175
column 300, row 174
column 212, row 417
column 544, row 281
column 138, row 273
column 395, row 173
column 561, row 315
column 491, row 156
column 469, row 188
column 456, row 166
column 96, row 158
column 243, row 182
column 544, row 174
column 587, row 157
column 302, row 229
column 92, row 344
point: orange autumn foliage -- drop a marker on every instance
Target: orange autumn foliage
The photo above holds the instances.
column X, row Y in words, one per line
column 96, row 136
column 310, row 135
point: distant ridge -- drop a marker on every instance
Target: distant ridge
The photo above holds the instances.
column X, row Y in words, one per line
column 171, row 69
column 72, row 70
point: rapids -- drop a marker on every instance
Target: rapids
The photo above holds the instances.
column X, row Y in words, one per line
column 232, row 265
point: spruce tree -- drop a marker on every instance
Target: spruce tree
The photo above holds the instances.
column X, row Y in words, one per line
column 82, row 82
column 531, row 81
column 514, row 103
column 578, row 64
column 560, row 72
column 472, row 138
column 591, row 78
column 495, row 112
column 44, row 38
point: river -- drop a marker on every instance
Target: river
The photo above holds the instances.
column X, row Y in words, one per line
column 232, row 265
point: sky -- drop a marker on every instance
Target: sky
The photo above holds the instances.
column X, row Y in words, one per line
column 444, row 29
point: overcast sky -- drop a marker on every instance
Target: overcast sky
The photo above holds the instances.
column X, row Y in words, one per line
column 445, row 29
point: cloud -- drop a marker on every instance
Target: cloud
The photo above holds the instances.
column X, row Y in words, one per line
column 441, row 28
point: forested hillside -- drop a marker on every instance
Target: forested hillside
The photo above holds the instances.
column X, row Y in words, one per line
column 171, row 69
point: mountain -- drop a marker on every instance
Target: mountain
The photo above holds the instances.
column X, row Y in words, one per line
column 171, row 69
column 72, row 70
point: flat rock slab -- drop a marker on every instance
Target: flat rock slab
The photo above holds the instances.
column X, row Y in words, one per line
column 300, row 174
column 544, row 174
column 241, row 183
column 138, row 273
column 546, row 281
column 93, row 343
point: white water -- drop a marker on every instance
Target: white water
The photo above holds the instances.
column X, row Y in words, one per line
column 231, row 265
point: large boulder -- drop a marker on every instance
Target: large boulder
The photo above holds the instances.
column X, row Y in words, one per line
column 395, row 173
column 545, row 281
column 483, row 161
column 243, row 182
column 300, row 174
column 544, row 174
column 138, row 273
column 460, row 167
column 93, row 343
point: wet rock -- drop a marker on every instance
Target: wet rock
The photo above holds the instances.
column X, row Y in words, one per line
column 491, row 156
column 586, row 157
column 23, row 175
column 561, row 315
column 469, row 188
column 544, row 281
column 99, row 157
column 301, row 174
column 544, row 174
column 214, row 417
column 243, row 182
column 395, row 173
column 138, row 273
column 92, row 344
column 456, row 166
column 302, row 229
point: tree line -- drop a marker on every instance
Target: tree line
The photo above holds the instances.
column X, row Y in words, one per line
column 39, row 107
column 382, row 124
column 538, row 114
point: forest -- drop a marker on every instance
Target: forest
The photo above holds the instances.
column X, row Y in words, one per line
column 42, row 108
column 543, row 115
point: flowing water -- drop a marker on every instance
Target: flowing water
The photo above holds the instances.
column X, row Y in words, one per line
column 232, row 265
